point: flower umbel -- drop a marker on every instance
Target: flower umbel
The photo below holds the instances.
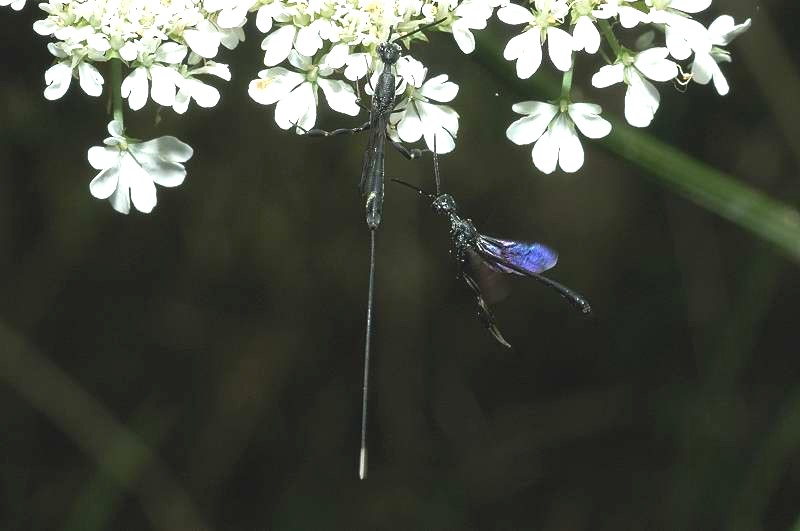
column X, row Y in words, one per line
column 131, row 169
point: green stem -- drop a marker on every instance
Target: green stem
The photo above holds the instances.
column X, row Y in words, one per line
column 116, row 91
column 566, row 85
column 612, row 40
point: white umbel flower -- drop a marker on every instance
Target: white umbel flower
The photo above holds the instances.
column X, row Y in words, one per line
column 129, row 170
column 422, row 114
column 151, row 37
column 541, row 26
column 641, row 98
column 296, row 92
column 552, row 131
column 706, row 64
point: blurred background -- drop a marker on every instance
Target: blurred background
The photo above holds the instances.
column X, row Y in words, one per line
column 200, row 367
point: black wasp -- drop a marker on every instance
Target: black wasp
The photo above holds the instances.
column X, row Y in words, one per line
column 371, row 185
column 383, row 100
column 482, row 259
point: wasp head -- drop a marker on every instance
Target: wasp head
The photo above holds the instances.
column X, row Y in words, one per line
column 444, row 204
column 389, row 52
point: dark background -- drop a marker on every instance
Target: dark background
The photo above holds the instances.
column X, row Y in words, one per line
column 201, row 366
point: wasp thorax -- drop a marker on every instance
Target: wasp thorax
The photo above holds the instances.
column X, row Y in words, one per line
column 444, row 204
column 389, row 52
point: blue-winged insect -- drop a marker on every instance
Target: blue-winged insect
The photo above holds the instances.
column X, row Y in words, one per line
column 483, row 259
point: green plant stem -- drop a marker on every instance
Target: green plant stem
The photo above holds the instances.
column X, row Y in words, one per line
column 116, row 91
column 566, row 86
column 612, row 40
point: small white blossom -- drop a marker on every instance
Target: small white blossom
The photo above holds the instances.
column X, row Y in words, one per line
column 160, row 60
column 129, row 170
column 552, row 132
column 296, row 92
column 641, row 98
column 629, row 16
column 16, row 5
column 706, row 65
column 59, row 76
column 541, row 26
column 470, row 15
column 420, row 115
column 683, row 35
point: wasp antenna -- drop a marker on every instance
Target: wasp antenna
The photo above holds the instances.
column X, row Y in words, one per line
column 415, row 188
column 419, row 29
column 436, row 167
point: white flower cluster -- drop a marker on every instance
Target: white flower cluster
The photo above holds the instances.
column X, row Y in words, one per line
column 331, row 44
column 166, row 44
column 581, row 25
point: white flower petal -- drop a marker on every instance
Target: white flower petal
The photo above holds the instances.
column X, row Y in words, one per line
column 559, row 47
column 654, row 64
column 299, row 107
column 164, row 89
column 105, row 183
column 143, row 189
column 91, row 80
column 515, row 14
column 609, row 75
column 545, row 153
column 277, row 45
column 526, row 48
column 463, row 36
column 170, row 52
column 641, row 101
column 103, row 157
column 134, row 88
column 585, row 35
column 308, row 41
column 121, row 200
column 339, row 95
column 203, row 41
column 410, row 127
column 570, row 150
column 273, row 85
column 167, row 147
column 530, row 128
column 438, row 88
column 58, row 78
column 587, row 119
column 690, row 6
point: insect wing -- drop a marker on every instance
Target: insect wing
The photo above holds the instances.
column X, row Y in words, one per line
column 526, row 256
column 499, row 263
column 372, row 173
column 492, row 282
column 485, row 315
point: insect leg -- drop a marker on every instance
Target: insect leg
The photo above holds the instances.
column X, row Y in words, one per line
column 335, row 132
column 410, row 154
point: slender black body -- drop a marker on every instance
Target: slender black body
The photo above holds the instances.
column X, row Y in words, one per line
column 482, row 259
column 371, row 187
column 383, row 99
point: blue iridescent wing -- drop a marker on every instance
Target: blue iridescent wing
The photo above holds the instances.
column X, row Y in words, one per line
column 526, row 256
column 494, row 253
